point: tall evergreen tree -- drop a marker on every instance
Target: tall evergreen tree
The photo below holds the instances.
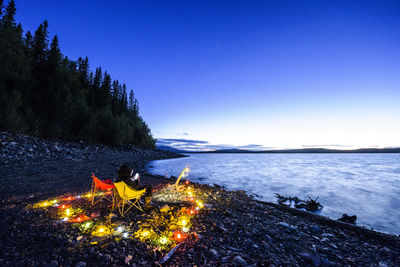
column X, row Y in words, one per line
column 105, row 91
column 1, row 9
column 14, row 71
column 83, row 68
column 28, row 40
column 41, row 43
column 8, row 19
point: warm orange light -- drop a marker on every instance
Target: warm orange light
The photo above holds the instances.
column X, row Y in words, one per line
column 178, row 236
column 63, row 206
column 80, row 219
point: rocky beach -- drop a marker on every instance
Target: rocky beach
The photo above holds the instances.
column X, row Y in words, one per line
column 233, row 228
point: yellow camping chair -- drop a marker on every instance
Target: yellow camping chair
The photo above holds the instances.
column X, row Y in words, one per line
column 124, row 195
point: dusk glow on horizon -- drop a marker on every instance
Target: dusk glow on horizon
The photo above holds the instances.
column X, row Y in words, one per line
column 247, row 74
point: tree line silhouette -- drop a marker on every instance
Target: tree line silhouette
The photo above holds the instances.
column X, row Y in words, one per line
column 46, row 94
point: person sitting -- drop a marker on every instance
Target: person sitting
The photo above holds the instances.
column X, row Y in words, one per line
column 125, row 175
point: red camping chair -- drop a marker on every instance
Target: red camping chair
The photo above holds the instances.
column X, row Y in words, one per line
column 104, row 187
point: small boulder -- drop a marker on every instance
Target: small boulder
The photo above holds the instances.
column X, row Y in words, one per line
column 287, row 226
column 239, row 260
column 52, row 264
column 214, row 254
column 315, row 259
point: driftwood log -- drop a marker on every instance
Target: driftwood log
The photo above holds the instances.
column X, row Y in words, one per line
column 310, row 204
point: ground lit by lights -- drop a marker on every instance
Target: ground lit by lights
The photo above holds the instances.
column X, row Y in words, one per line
column 168, row 224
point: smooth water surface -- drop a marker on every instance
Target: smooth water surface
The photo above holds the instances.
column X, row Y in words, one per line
column 367, row 185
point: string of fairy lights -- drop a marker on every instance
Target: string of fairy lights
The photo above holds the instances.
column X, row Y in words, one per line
column 163, row 228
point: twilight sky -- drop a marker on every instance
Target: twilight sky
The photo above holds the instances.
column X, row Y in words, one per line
column 280, row 74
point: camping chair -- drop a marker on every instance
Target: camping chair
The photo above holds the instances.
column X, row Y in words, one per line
column 104, row 186
column 124, row 195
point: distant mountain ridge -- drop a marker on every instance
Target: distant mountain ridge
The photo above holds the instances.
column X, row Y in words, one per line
column 301, row 150
column 171, row 149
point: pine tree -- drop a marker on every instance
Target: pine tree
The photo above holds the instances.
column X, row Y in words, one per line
column 28, row 40
column 114, row 97
column 41, row 43
column 13, row 71
column 124, row 99
column 54, row 57
column 83, row 68
column 105, row 91
column 8, row 19
column 1, row 9
column 130, row 100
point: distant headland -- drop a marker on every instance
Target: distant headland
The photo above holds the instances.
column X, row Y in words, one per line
column 287, row 151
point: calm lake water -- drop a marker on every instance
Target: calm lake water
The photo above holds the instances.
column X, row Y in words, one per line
column 367, row 185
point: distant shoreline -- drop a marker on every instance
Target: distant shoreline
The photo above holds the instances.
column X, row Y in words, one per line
column 292, row 151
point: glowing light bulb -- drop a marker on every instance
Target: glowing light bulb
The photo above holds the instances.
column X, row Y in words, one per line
column 185, row 229
column 197, row 208
column 178, row 236
column 184, row 222
column 163, row 240
column 125, row 235
column 87, row 225
column 120, row 228
column 187, row 182
column 200, row 204
column 101, row 230
column 145, row 233
column 65, row 219
column 68, row 212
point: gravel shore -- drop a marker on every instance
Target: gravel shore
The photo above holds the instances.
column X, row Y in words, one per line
column 232, row 229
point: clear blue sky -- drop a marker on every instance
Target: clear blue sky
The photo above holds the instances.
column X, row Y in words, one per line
column 280, row 74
